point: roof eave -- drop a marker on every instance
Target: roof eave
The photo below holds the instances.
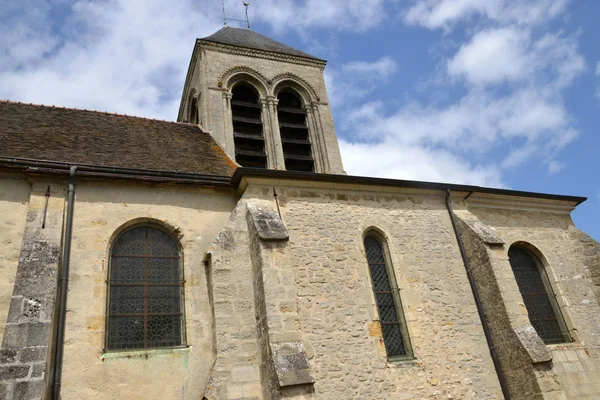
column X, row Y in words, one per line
column 480, row 191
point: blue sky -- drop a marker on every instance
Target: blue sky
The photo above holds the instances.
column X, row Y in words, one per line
column 501, row 93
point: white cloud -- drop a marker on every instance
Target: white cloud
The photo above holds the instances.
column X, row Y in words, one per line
column 131, row 56
column 510, row 55
column 493, row 56
column 444, row 14
column 391, row 159
column 555, row 167
column 353, row 15
column 110, row 57
column 382, row 68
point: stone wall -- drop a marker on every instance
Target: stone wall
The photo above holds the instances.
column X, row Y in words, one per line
column 518, row 346
column 320, row 294
column 194, row 215
column 25, row 357
column 236, row 371
column 566, row 257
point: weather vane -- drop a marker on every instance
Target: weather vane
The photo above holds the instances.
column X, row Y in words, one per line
column 247, row 20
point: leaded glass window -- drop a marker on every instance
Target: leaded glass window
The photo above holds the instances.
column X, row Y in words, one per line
column 538, row 296
column 391, row 318
column 145, row 290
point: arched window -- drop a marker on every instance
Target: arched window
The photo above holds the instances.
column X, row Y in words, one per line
column 391, row 317
column 247, row 127
column 297, row 150
column 145, row 291
column 538, row 296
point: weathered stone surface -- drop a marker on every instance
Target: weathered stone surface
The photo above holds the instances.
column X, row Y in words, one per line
column 532, row 343
column 487, row 233
column 267, row 223
column 28, row 390
column 13, row 372
column 32, row 302
column 291, row 363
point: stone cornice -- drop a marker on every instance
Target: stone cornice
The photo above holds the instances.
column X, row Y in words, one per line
column 263, row 54
column 487, row 200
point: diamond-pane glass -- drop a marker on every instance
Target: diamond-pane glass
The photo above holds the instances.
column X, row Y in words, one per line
column 538, row 298
column 164, row 331
column 387, row 306
column 392, row 338
column 145, row 289
column 126, row 333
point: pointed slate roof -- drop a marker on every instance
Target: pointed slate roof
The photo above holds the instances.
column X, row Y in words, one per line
column 242, row 37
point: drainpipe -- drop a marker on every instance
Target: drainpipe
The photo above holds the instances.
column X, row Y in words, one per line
column 64, row 285
column 484, row 323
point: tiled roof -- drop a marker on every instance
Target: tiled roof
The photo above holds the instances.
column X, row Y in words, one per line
column 253, row 40
column 103, row 139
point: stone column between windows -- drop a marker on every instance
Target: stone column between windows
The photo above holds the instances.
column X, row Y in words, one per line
column 278, row 161
column 313, row 133
column 228, row 125
column 319, row 138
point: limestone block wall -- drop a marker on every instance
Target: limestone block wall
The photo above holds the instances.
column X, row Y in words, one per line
column 522, row 354
column 14, row 198
column 26, row 354
column 566, row 258
column 196, row 216
column 321, row 295
column 236, row 371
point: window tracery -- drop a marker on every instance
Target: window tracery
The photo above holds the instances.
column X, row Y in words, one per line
column 389, row 306
column 538, row 296
column 145, row 291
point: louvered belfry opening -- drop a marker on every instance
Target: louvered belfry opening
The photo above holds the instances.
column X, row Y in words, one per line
column 297, row 150
column 538, row 296
column 247, row 127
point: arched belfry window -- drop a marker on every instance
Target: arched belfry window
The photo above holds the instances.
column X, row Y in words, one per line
column 247, row 127
column 145, row 291
column 538, row 296
column 391, row 317
column 297, row 151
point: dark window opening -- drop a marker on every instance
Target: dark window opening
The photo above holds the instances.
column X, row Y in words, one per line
column 194, row 110
column 297, row 151
column 247, row 127
column 391, row 317
column 145, row 291
column 538, row 296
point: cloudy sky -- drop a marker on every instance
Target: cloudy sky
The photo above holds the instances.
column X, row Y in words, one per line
column 502, row 93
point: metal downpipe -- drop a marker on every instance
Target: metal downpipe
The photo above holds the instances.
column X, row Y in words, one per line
column 484, row 323
column 64, row 285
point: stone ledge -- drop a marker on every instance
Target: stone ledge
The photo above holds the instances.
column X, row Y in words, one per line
column 137, row 354
column 267, row 223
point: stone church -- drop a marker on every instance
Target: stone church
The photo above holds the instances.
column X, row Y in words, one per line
column 228, row 256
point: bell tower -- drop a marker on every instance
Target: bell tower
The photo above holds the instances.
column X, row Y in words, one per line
column 264, row 102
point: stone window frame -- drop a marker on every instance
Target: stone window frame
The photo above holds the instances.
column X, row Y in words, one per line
column 174, row 235
column 551, row 284
column 194, row 105
column 392, row 276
